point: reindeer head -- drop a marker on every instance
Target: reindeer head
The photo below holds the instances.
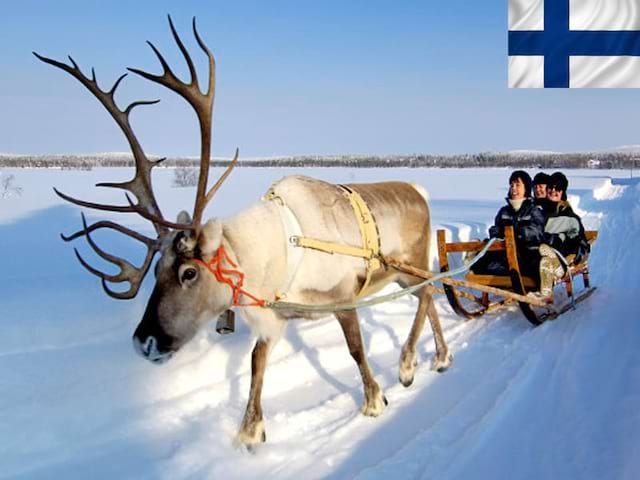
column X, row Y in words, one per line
column 185, row 294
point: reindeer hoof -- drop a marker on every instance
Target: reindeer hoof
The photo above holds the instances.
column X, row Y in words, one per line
column 374, row 406
column 251, row 437
column 442, row 365
column 407, row 370
column 251, row 449
column 406, row 382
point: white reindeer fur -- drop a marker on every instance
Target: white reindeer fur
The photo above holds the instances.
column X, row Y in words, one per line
column 255, row 241
column 210, row 238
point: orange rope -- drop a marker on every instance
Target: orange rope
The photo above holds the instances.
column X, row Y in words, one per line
column 223, row 275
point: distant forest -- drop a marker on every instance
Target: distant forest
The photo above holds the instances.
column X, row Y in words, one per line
column 608, row 160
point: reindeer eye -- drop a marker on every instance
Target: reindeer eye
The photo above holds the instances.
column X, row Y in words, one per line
column 188, row 274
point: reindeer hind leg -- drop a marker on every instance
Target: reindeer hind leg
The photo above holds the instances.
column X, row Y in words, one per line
column 374, row 400
column 443, row 358
column 408, row 357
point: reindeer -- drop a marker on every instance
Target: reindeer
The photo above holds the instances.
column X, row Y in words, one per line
column 206, row 268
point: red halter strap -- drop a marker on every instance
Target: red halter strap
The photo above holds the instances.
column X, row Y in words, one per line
column 224, row 275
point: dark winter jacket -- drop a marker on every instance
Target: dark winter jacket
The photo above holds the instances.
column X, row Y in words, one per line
column 545, row 204
column 528, row 228
column 564, row 231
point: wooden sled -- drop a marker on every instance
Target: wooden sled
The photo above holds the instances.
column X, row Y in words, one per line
column 507, row 288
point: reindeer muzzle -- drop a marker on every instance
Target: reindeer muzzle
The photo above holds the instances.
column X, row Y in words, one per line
column 150, row 351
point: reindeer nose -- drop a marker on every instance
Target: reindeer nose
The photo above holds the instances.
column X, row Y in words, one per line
column 149, row 349
column 145, row 348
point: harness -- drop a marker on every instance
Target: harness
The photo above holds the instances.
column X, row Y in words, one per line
column 370, row 249
column 226, row 275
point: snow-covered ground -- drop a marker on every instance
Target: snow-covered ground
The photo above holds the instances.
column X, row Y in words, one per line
column 560, row 401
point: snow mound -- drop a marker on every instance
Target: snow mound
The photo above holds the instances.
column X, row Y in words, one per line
column 608, row 191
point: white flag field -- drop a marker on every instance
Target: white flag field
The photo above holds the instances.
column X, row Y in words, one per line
column 574, row 43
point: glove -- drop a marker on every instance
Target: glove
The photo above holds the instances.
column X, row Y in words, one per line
column 494, row 232
column 553, row 240
column 583, row 250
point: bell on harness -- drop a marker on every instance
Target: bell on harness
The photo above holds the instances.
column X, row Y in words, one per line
column 226, row 322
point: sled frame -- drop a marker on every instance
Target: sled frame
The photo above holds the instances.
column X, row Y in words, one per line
column 511, row 287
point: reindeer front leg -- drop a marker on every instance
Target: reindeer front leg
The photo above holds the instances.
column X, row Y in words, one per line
column 252, row 429
column 374, row 400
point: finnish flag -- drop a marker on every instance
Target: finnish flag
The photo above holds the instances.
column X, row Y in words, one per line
column 574, row 43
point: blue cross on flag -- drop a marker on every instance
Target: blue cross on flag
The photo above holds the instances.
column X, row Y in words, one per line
column 574, row 43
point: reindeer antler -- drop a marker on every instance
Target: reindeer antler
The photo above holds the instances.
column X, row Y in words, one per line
column 128, row 273
column 202, row 103
column 140, row 185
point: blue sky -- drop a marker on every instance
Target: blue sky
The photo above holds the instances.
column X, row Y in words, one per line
column 294, row 77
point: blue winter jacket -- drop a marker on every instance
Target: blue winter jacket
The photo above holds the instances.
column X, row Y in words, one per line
column 528, row 226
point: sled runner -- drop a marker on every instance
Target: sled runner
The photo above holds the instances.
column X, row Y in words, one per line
column 499, row 290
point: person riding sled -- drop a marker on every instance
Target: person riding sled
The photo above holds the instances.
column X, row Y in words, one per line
column 527, row 220
column 540, row 182
column 565, row 241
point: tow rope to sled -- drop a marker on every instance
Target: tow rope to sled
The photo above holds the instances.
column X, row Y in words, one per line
column 337, row 307
column 223, row 275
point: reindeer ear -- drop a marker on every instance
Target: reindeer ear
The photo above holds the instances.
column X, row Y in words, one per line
column 185, row 244
column 210, row 237
column 183, row 217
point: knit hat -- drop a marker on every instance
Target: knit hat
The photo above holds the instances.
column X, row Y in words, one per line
column 526, row 179
column 559, row 181
column 541, row 178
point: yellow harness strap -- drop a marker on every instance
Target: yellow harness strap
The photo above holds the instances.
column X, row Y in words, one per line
column 368, row 232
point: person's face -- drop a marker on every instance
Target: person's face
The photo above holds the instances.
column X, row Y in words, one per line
column 517, row 189
column 540, row 190
column 554, row 193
